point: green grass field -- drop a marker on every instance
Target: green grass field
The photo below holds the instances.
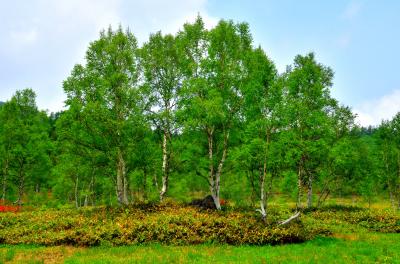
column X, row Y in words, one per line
column 350, row 248
column 356, row 235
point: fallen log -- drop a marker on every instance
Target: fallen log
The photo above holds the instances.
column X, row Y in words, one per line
column 290, row 219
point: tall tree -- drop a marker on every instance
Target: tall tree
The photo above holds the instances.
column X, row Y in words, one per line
column 104, row 98
column 262, row 100
column 160, row 60
column 308, row 104
column 213, row 91
column 25, row 144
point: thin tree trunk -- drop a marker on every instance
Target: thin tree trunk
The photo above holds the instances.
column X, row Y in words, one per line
column 262, row 209
column 310, row 190
column 290, row 219
column 76, row 192
column 324, row 194
column 263, row 198
column 299, row 187
column 219, row 172
column 269, row 194
column 126, row 187
column 155, row 182
column 211, row 176
column 85, row 202
column 91, row 188
column 121, row 180
column 165, row 166
column 21, row 186
column 144, row 183
column 5, row 173
column 391, row 196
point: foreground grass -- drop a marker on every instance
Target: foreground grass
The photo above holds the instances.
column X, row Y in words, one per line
column 356, row 235
column 349, row 248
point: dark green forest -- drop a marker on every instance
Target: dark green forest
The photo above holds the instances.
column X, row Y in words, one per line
column 201, row 112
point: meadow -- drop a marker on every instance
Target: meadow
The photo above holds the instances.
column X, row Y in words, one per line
column 336, row 233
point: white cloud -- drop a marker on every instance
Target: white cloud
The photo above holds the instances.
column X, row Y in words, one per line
column 41, row 40
column 352, row 9
column 374, row 111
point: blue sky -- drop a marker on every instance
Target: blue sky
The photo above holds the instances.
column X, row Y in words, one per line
column 41, row 40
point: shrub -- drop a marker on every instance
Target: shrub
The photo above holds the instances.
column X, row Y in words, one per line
column 145, row 223
column 374, row 220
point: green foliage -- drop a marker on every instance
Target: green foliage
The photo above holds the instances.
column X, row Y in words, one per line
column 373, row 220
column 25, row 146
column 198, row 112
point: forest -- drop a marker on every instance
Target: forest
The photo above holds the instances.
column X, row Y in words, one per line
column 195, row 113
column 200, row 113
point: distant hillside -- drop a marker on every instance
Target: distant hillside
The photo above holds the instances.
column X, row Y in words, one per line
column 1, row 103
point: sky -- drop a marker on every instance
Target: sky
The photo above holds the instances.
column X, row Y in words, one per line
column 41, row 41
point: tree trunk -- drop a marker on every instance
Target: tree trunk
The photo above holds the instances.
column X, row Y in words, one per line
column 391, row 196
column 211, row 175
column 121, row 180
column 262, row 209
column 155, row 182
column 310, row 190
column 219, row 172
column 165, row 166
column 5, row 173
column 92, row 188
column 20, row 186
column 290, row 219
column 76, row 192
column 324, row 194
column 263, row 196
column 253, row 196
column 144, row 183
column 299, row 187
column 126, row 186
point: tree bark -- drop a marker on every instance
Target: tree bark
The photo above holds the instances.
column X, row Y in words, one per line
column 126, row 186
column 144, row 182
column 290, row 219
column 262, row 209
column 165, row 166
column 299, row 187
column 324, row 194
column 5, row 173
column 263, row 196
column 219, row 172
column 121, row 180
column 310, row 190
column 76, row 192
column 20, row 186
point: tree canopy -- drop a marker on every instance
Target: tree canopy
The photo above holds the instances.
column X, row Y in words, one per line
column 200, row 112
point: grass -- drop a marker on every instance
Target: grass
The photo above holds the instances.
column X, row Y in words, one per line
column 354, row 248
column 354, row 239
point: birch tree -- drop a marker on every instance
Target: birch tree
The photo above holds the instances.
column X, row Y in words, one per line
column 104, row 94
column 263, row 100
column 160, row 60
column 308, row 86
column 213, row 95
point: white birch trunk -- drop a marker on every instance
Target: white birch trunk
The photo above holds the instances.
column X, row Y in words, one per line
column 165, row 166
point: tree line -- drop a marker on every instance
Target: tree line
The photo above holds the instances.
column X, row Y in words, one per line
column 201, row 111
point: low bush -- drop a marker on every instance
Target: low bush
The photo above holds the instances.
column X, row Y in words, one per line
column 145, row 223
column 374, row 220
